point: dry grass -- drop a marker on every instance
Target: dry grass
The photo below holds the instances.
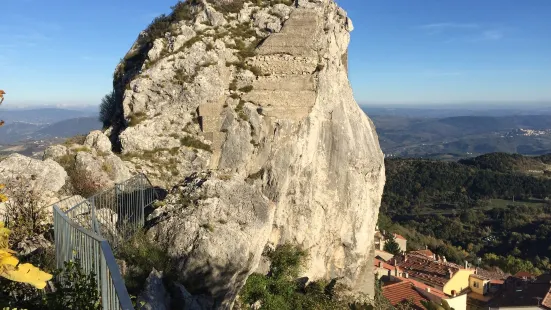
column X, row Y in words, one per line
column 136, row 119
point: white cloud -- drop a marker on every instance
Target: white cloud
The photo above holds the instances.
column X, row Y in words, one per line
column 492, row 35
column 463, row 32
column 449, row 26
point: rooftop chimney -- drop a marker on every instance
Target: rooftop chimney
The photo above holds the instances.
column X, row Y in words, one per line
column 406, row 275
column 466, row 264
column 380, row 264
column 450, row 273
column 426, row 247
column 444, row 259
column 428, row 289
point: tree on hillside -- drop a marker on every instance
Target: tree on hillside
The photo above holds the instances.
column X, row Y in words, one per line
column 391, row 246
column 107, row 109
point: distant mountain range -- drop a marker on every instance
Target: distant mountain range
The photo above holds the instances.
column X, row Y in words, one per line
column 441, row 111
column 43, row 124
column 44, row 115
column 463, row 136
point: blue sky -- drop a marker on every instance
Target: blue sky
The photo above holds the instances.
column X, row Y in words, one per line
column 402, row 51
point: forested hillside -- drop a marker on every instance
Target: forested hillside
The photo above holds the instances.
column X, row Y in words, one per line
column 495, row 207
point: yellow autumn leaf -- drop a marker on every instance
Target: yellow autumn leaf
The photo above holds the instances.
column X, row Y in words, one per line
column 3, row 197
column 24, row 273
column 4, row 235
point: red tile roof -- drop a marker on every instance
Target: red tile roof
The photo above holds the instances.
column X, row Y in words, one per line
column 496, row 274
column 401, row 292
column 378, row 262
column 424, row 269
column 427, row 253
column 423, row 286
column 524, row 274
column 399, row 237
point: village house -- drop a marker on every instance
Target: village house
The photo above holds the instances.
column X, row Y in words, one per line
column 435, row 272
column 398, row 289
column 524, row 291
column 380, row 241
column 483, row 286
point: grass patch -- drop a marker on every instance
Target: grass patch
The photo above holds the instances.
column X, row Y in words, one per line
column 208, row 227
column 79, row 139
column 257, row 175
column 192, row 142
column 240, row 112
column 281, row 290
column 141, row 256
column 136, row 119
column 182, row 78
column 233, row 85
column 82, row 149
column 107, row 168
column 234, row 6
column 159, row 203
column 174, row 151
column 246, row 89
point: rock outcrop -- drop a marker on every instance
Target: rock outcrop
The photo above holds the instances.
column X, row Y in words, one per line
column 91, row 166
column 252, row 106
column 41, row 179
column 219, row 229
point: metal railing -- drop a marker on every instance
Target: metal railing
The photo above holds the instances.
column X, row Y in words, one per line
column 88, row 230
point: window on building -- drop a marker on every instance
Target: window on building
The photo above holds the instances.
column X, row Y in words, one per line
column 476, row 284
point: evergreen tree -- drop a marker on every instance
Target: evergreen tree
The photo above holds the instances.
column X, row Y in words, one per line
column 391, row 246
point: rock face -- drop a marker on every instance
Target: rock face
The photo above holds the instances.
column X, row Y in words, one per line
column 154, row 296
column 260, row 97
column 219, row 228
column 38, row 181
column 45, row 176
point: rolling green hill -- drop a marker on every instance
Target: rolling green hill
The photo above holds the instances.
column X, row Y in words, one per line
column 491, row 207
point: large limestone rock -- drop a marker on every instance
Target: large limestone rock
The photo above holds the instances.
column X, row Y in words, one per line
column 265, row 104
column 43, row 176
column 155, row 295
column 91, row 166
column 38, row 182
column 220, row 227
column 98, row 141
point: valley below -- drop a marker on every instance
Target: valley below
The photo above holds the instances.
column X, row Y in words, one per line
column 454, row 137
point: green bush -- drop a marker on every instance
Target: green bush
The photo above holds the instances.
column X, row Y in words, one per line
column 108, row 109
column 182, row 10
column 228, row 6
column 141, row 256
column 74, row 290
column 280, row 290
